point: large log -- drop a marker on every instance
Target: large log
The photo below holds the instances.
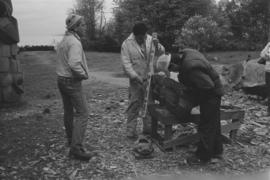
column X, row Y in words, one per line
column 15, row 66
column 4, row 64
column 11, row 77
column 5, row 50
column 5, row 80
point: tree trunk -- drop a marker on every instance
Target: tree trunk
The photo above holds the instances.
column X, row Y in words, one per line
column 268, row 17
column 11, row 76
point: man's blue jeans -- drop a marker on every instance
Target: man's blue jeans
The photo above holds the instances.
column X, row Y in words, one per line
column 137, row 94
column 73, row 99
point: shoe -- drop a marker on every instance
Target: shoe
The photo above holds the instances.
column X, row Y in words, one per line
column 193, row 160
column 132, row 135
column 143, row 148
column 147, row 132
column 81, row 154
column 216, row 159
column 218, row 156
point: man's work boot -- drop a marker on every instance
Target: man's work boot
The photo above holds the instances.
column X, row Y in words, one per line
column 81, row 154
column 147, row 131
column 194, row 160
column 131, row 134
column 68, row 143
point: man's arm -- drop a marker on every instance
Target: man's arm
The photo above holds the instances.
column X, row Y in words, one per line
column 159, row 50
column 75, row 61
column 127, row 65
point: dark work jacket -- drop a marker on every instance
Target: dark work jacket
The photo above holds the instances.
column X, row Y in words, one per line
column 198, row 75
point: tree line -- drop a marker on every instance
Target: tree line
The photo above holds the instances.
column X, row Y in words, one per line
column 202, row 24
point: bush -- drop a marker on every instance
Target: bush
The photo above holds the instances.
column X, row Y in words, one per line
column 103, row 44
column 37, row 48
column 203, row 33
column 107, row 44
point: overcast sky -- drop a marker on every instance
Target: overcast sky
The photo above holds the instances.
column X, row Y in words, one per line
column 43, row 21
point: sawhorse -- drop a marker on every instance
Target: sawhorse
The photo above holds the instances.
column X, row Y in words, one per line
column 232, row 115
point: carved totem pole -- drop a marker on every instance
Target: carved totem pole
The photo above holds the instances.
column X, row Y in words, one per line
column 11, row 76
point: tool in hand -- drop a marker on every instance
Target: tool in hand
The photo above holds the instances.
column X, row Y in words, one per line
column 151, row 72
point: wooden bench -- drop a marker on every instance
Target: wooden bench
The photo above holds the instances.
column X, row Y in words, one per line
column 232, row 115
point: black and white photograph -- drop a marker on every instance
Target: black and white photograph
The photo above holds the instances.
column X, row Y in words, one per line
column 134, row 89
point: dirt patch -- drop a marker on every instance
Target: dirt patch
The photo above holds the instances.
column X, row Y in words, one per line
column 109, row 77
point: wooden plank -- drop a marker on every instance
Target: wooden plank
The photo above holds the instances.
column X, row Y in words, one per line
column 229, row 127
column 234, row 117
column 154, row 127
column 168, row 132
column 165, row 117
column 194, row 138
column 224, row 115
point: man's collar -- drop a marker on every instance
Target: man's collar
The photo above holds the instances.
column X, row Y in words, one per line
column 74, row 34
column 131, row 36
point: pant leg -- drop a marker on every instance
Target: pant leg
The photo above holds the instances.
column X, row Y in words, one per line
column 267, row 83
column 209, row 129
column 81, row 115
column 136, row 93
column 68, row 109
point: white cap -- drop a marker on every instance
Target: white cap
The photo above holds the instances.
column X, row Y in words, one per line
column 72, row 20
column 163, row 62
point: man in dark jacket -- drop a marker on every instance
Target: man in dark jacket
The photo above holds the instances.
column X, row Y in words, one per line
column 203, row 82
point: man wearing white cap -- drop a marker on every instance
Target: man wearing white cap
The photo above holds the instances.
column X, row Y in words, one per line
column 137, row 51
column 71, row 70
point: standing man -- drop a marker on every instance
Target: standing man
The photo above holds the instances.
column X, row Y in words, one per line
column 265, row 55
column 137, row 52
column 71, row 70
column 203, row 83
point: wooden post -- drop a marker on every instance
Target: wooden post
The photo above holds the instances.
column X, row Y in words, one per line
column 11, row 77
column 268, row 19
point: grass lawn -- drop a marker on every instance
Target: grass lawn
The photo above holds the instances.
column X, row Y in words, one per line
column 232, row 57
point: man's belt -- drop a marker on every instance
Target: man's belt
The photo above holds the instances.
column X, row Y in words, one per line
column 67, row 79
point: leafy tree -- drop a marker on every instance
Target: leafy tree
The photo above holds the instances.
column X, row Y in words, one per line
column 162, row 16
column 202, row 33
column 248, row 20
column 90, row 10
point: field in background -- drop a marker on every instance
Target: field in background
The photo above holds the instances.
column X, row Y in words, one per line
column 234, row 56
column 40, row 78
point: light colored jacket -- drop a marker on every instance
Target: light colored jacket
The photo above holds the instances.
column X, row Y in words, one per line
column 265, row 53
column 135, row 63
column 71, row 60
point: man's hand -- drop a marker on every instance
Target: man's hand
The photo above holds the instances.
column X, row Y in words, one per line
column 161, row 73
column 155, row 39
column 138, row 79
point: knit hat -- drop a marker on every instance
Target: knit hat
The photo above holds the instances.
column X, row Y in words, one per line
column 139, row 29
column 72, row 20
column 163, row 62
